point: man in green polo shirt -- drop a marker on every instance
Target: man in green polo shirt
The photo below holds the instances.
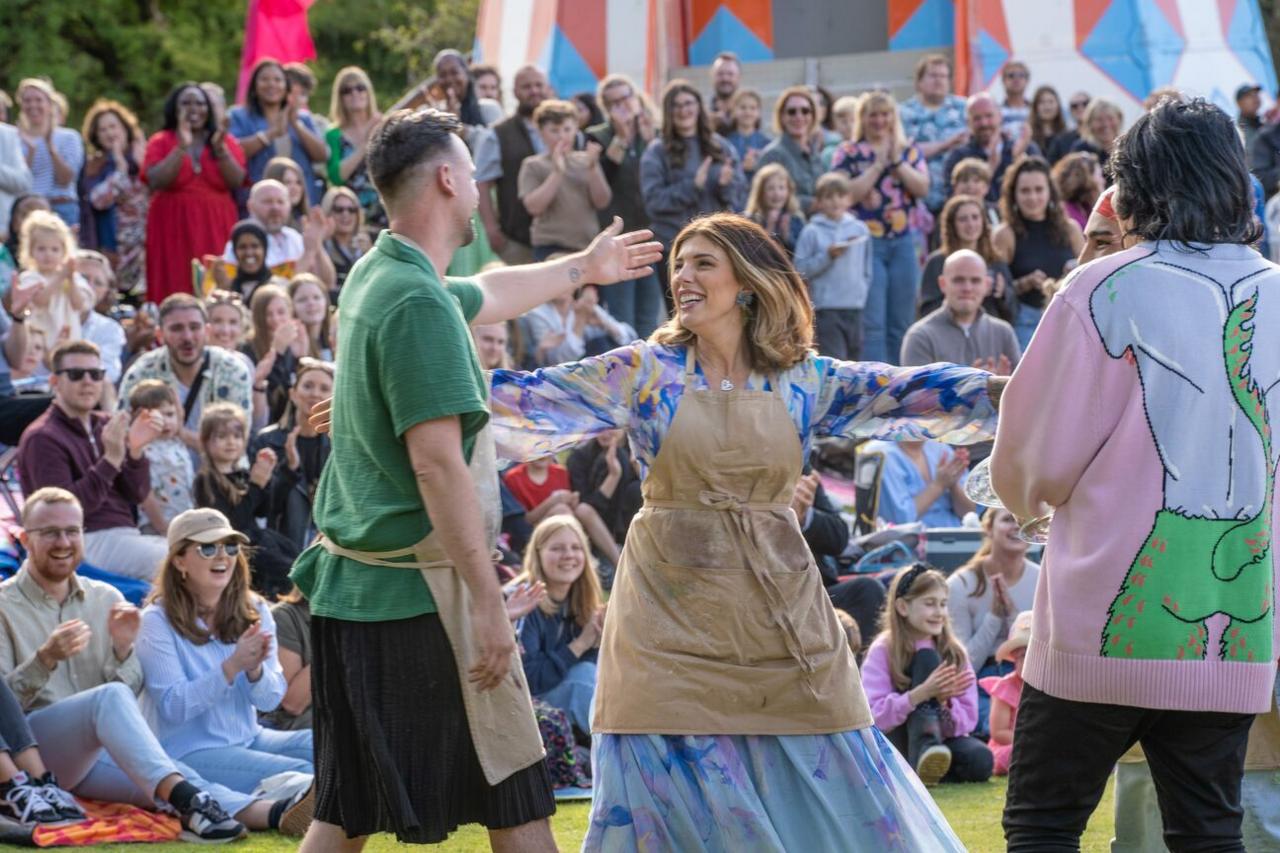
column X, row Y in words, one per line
column 394, row 751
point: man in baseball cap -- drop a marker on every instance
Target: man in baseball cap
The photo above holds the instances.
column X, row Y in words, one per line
column 1248, row 107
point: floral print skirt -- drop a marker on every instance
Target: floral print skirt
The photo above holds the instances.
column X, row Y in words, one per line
column 846, row 791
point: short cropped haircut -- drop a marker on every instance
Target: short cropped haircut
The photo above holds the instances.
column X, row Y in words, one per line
column 1180, row 175
column 552, row 111
column 180, row 302
column 832, row 183
column 151, row 394
column 66, row 348
column 402, row 142
column 46, row 495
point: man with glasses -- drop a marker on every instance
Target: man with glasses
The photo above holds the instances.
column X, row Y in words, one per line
column 98, row 458
column 987, row 142
column 67, row 653
column 934, row 119
column 1017, row 109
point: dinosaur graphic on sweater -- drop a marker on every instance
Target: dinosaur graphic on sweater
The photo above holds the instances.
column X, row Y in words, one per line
column 1209, row 548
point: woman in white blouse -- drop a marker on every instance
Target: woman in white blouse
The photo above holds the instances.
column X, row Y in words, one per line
column 986, row 595
column 208, row 653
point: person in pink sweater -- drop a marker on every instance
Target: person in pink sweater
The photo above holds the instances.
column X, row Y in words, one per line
column 1006, row 692
column 1141, row 415
column 920, row 685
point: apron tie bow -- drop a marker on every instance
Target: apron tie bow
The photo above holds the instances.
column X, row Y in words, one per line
column 720, row 500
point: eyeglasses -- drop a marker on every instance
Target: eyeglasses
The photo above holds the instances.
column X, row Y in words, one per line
column 75, row 374
column 1017, row 75
column 344, row 209
column 53, row 534
column 798, row 111
column 208, row 549
column 1079, row 105
column 355, row 87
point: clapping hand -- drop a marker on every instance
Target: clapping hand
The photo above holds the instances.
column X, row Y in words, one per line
column 64, row 642
column 950, row 469
column 114, row 436
column 264, row 465
column 251, row 650
column 321, row 417
column 524, row 599
column 1001, row 601
column 147, row 426
column 806, row 491
column 700, row 176
column 123, row 623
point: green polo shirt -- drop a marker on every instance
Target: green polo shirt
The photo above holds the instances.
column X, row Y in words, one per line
column 405, row 356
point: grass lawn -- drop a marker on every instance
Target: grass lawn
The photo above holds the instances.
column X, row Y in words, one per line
column 974, row 812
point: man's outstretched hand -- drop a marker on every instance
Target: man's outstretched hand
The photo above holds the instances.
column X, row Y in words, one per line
column 614, row 256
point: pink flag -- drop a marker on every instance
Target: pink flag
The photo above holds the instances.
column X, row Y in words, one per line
column 276, row 29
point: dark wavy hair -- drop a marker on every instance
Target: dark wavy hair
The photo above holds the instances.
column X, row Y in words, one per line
column 171, row 106
column 1059, row 230
column 674, row 144
column 1180, row 175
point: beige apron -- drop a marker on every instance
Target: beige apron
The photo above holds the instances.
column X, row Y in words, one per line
column 718, row 622
column 501, row 720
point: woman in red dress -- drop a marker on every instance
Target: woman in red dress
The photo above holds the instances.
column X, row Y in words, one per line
column 192, row 166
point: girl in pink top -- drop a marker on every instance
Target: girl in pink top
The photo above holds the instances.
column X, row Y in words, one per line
column 917, row 673
column 1005, row 691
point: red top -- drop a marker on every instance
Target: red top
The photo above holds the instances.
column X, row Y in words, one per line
column 531, row 494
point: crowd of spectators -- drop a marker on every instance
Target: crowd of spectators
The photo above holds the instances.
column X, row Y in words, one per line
column 171, row 319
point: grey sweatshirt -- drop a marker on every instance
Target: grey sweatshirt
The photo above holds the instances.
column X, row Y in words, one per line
column 839, row 283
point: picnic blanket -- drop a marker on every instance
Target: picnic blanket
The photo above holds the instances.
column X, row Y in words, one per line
column 108, row 823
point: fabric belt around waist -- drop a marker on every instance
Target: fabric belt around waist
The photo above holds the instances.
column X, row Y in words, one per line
column 388, row 559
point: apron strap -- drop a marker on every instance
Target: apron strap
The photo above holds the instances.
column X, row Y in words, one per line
column 388, row 559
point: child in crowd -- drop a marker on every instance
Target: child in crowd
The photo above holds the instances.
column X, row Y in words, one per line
column 562, row 189
column 745, row 135
column 33, row 370
column 560, row 636
column 919, row 683
column 833, row 255
column 243, row 494
column 46, row 255
column 772, row 203
column 972, row 177
column 1005, row 691
column 172, row 475
column 542, row 488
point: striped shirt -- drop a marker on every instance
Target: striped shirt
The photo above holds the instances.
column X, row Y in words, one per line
column 187, row 699
column 70, row 148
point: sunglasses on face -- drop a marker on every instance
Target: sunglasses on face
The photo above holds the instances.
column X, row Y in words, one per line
column 207, row 550
column 344, row 209
column 798, row 111
column 354, row 87
column 1079, row 105
column 75, row 374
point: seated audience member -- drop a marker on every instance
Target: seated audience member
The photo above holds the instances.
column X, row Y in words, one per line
column 201, row 374
column 249, row 268
column 772, row 204
column 1006, row 691
column 242, row 494
column 17, row 411
column 208, row 656
column 46, row 255
column 562, row 328
column 311, row 307
column 269, row 205
column 286, row 171
column 600, row 472
column 833, row 255
column 964, row 226
column 32, row 372
column 29, row 792
column 1078, row 178
column 98, row 457
column 562, row 189
column 277, row 339
column 560, row 637
column 542, row 487
column 300, row 453
column 292, row 615
column 97, row 327
column 923, row 481
column 343, row 208
column 172, row 475
column 986, row 595
column 961, row 332
column 919, row 683
column 601, row 331
column 67, row 652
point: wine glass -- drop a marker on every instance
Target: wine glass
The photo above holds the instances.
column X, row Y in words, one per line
column 978, row 489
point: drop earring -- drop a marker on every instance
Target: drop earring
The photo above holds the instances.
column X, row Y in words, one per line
column 745, row 298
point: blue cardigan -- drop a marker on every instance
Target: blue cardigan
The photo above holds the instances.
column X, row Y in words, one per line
column 544, row 643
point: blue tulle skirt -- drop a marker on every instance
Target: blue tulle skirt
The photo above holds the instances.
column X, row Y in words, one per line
column 733, row 793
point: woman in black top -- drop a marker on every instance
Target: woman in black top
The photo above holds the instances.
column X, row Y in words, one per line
column 1036, row 236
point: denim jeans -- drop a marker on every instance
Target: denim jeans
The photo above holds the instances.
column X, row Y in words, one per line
column 1024, row 325
column 574, row 694
column 241, row 768
column 15, row 731
column 891, row 301
column 637, row 303
column 100, row 747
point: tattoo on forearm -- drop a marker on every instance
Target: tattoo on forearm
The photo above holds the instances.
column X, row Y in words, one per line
column 575, row 275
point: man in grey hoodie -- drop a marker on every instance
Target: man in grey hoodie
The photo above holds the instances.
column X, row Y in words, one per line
column 833, row 255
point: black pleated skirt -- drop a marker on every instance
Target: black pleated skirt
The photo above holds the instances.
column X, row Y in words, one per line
column 392, row 745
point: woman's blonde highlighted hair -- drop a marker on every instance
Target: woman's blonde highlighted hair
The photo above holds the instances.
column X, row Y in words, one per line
column 779, row 321
column 585, row 595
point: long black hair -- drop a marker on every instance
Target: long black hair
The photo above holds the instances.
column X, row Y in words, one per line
column 676, row 147
column 171, row 106
column 1180, row 175
column 251, row 92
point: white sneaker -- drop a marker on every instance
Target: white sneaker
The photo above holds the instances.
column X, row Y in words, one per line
column 205, row 822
